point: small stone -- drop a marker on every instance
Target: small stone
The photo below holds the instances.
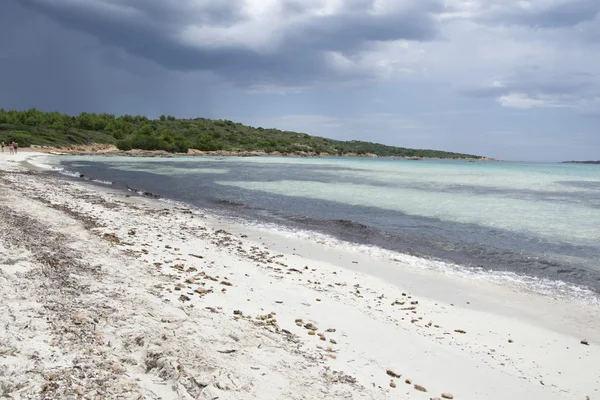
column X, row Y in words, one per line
column 408, row 381
column 447, row 395
column 323, row 338
column 392, row 383
column 420, row 388
column 393, row 374
column 459, row 331
column 310, row 326
column 183, row 297
column 585, row 342
column 332, row 341
column 510, row 340
column 312, row 333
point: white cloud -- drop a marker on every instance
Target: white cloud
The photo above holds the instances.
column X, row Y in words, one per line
column 525, row 101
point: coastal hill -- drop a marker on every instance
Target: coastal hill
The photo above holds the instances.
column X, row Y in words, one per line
column 53, row 129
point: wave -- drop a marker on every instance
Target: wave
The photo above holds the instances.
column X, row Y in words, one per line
column 142, row 192
column 230, row 203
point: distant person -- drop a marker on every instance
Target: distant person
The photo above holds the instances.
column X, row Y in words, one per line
column 3, row 146
column 10, row 148
column 16, row 146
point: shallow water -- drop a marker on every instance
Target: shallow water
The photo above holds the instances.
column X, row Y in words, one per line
column 533, row 222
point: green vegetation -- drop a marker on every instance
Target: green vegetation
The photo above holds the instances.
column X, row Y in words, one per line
column 33, row 127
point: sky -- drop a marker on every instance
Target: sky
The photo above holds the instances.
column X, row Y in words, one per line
column 514, row 79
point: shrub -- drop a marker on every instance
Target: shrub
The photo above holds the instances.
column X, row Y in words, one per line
column 124, row 145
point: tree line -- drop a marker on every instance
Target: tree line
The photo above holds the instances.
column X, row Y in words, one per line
column 34, row 127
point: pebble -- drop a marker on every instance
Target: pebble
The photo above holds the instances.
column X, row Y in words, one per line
column 408, row 381
column 510, row 340
column 459, row 331
column 447, row 395
column 393, row 374
column 392, row 383
column 420, row 388
column 585, row 342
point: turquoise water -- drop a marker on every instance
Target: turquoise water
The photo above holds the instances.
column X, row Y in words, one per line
column 533, row 220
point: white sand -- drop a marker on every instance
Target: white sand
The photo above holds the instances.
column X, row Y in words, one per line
column 103, row 317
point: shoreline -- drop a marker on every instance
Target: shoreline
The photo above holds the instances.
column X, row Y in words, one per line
column 555, row 287
column 376, row 327
column 111, row 150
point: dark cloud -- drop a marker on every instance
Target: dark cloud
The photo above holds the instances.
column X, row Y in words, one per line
column 562, row 14
column 540, row 82
column 153, row 29
column 54, row 69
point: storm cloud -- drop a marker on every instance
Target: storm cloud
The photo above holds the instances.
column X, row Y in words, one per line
column 247, row 41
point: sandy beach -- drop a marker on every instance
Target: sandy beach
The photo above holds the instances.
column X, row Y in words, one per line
column 110, row 295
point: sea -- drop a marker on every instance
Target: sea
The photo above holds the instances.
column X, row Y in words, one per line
column 531, row 225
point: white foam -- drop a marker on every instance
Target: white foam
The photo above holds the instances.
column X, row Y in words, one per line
column 102, row 182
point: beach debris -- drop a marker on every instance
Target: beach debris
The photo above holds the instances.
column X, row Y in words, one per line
column 392, row 383
column 310, row 326
column 447, row 396
column 202, row 291
column 408, row 381
column 420, row 388
column 510, row 340
column 459, row 331
column 393, row 374
column 111, row 237
column 330, row 330
column 585, row 342
column 195, row 255
column 238, row 312
column 80, row 319
column 332, row 341
column 183, row 297
column 226, row 283
column 227, row 351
